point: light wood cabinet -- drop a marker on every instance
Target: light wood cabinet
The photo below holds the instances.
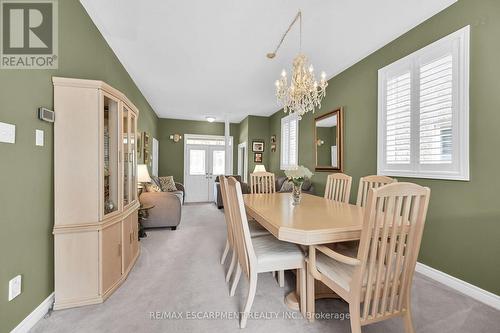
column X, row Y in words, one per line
column 112, row 253
column 95, row 172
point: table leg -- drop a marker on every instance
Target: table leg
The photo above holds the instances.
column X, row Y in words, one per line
column 293, row 299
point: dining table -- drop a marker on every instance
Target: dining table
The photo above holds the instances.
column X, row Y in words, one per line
column 315, row 220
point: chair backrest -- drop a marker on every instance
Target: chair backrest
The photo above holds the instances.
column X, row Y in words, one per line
column 242, row 240
column 368, row 182
column 227, row 211
column 338, row 187
column 262, row 183
column 388, row 250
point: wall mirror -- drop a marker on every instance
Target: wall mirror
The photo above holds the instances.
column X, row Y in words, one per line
column 328, row 141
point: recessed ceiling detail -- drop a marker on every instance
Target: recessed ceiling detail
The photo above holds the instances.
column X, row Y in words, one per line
column 191, row 58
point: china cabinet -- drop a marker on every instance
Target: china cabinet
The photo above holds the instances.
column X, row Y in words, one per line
column 95, row 191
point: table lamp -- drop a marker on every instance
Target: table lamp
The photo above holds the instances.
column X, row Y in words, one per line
column 259, row 168
column 142, row 176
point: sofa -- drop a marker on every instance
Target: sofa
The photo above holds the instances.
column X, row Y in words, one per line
column 218, row 195
column 167, row 207
column 307, row 187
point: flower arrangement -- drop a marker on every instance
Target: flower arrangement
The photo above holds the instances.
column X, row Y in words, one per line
column 299, row 175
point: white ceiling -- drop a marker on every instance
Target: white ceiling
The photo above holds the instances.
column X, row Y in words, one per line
column 194, row 58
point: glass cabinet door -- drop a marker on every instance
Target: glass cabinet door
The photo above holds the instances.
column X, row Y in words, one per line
column 110, row 158
column 126, row 155
column 133, row 156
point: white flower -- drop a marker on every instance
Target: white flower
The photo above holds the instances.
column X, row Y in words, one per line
column 300, row 172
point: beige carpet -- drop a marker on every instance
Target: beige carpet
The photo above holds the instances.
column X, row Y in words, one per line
column 179, row 271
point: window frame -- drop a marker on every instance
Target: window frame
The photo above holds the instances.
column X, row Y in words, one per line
column 289, row 166
column 458, row 43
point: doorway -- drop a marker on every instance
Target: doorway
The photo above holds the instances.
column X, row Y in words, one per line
column 243, row 161
column 204, row 160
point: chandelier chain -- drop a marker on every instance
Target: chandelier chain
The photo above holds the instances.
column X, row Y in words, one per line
column 303, row 93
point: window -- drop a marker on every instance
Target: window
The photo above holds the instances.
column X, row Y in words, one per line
column 289, row 142
column 423, row 112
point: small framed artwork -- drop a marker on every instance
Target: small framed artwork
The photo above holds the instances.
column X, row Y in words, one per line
column 258, row 146
column 273, row 139
column 273, row 148
column 257, row 157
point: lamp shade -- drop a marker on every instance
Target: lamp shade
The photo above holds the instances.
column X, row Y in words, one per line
column 143, row 174
column 259, row 168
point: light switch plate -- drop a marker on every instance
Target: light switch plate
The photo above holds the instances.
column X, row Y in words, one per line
column 7, row 133
column 14, row 287
column 39, row 138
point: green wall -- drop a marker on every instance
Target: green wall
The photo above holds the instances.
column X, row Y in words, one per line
column 258, row 130
column 26, row 171
column 171, row 154
column 255, row 128
column 462, row 233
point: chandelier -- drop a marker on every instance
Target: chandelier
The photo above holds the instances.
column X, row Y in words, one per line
column 303, row 93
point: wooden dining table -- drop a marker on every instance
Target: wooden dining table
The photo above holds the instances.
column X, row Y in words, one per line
column 314, row 221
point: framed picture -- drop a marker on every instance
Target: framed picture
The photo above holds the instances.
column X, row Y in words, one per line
column 273, row 139
column 257, row 146
column 273, row 148
column 257, row 157
column 146, row 148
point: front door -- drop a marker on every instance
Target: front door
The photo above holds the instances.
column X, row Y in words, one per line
column 203, row 164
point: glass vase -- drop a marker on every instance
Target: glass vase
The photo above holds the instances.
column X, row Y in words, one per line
column 296, row 193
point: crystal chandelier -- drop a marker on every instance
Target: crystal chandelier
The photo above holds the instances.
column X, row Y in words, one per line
column 303, row 93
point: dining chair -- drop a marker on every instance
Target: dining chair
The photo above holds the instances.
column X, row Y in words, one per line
column 260, row 254
column 368, row 182
column 262, row 183
column 380, row 277
column 255, row 228
column 338, row 187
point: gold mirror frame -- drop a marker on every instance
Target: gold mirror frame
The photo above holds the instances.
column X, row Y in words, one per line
column 340, row 143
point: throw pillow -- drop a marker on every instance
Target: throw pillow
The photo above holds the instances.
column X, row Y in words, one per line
column 287, row 186
column 167, row 184
column 156, row 181
column 151, row 187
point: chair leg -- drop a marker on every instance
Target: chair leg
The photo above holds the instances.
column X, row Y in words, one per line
column 354, row 313
column 408, row 320
column 235, row 280
column 281, row 278
column 231, row 266
column 310, row 296
column 251, row 295
column 301, row 279
column 224, row 254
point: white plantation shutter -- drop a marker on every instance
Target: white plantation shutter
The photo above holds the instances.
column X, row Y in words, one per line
column 289, row 142
column 423, row 117
column 436, row 102
column 398, row 120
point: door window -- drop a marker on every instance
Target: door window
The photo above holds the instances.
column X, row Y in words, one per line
column 218, row 162
column 197, row 162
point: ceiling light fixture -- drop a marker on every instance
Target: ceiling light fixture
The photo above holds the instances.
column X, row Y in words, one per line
column 210, row 119
column 303, row 94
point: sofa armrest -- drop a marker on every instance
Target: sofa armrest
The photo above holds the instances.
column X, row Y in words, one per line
column 180, row 187
column 166, row 211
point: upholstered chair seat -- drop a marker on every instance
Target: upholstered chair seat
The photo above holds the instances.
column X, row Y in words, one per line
column 273, row 254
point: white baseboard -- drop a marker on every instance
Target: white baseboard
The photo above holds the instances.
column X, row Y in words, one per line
column 35, row 316
column 466, row 288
